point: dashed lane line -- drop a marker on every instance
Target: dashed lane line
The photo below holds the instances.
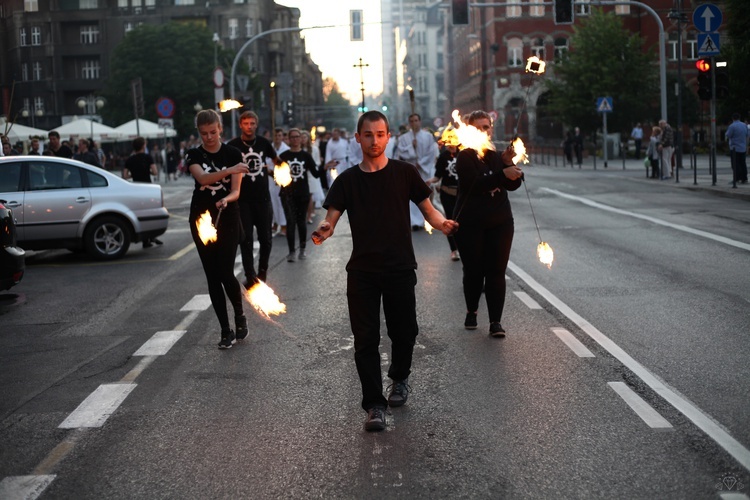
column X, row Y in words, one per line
column 573, row 343
column 639, row 406
column 526, row 299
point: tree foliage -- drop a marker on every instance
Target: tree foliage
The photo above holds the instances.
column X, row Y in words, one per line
column 605, row 60
column 174, row 60
column 337, row 110
column 737, row 54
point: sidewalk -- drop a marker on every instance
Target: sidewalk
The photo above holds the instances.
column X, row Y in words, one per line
column 689, row 179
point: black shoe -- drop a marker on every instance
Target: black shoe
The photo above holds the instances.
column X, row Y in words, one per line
column 249, row 282
column 240, row 325
column 227, row 340
column 496, row 330
column 470, row 323
column 262, row 275
column 399, row 393
column 157, row 241
column 147, row 244
column 375, row 419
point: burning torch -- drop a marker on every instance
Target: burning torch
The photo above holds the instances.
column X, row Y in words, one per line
column 411, row 97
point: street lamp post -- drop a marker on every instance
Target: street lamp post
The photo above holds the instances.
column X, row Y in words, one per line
column 680, row 18
column 37, row 112
column 91, row 104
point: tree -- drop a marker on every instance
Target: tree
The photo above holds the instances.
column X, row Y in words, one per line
column 337, row 111
column 737, row 53
column 604, row 60
column 174, row 60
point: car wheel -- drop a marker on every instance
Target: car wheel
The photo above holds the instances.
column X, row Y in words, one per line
column 107, row 238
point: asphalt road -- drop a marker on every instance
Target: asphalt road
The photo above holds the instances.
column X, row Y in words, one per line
column 645, row 306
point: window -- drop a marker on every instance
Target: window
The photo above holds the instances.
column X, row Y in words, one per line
column 536, row 11
column 88, row 4
column 184, row 2
column 89, row 34
column 150, row 4
column 37, row 70
column 513, row 11
column 583, row 10
column 249, row 28
column 561, row 48
column 692, row 47
column 44, row 176
column 95, row 180
column 90, row 70
column 128, row 27
column 22, row 37
column 39, row 105
column 233, row 28
column 25, row 72
column 36, row 35
column 123, row 4
column 515, row 53
column 31, row 5
column 622, row 10
column 537, row 48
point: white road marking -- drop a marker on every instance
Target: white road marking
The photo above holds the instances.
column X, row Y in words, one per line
column 197, row 303
column 733, row 496
column 704, row 422
column 24, row 487
column 96, row 409
column 678, row 227
column 160, row 343
column 639, row 406
column 182, row 252
column 573, row 343
column 526, row 299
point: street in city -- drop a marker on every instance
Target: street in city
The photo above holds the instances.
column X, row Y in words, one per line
column 624, row 373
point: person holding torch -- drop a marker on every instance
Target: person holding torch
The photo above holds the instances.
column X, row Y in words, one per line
column 218, row 170
column 376, row 194
column 486, row 219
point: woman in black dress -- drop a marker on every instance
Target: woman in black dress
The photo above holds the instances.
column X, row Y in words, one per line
column 486, row 232
column 217, row 170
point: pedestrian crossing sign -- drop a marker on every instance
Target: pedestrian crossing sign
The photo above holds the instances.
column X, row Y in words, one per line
column 708, row 44
column 604, row 105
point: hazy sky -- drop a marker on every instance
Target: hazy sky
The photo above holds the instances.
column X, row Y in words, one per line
column 331, row 49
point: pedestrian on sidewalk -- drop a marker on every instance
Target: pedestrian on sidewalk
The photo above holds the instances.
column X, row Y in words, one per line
column 376, row 195
column 736, row 135
column 140, row 167
column 578, row 146
column 567, row 146
column 666, row 149
column 637, row 135
column 217, row 169
column 652, row 152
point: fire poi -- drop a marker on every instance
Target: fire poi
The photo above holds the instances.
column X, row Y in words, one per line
column 282, row 175
column 428, row 227
column 264, row 300
column 206, row 228
column 334, row 173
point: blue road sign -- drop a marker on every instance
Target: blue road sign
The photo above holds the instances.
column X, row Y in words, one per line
column 604, row 104
column 165, row 107
column 707, row 18
column 708, row 44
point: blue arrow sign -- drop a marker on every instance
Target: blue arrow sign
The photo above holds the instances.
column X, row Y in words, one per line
column 708, row 44
column 707, row 18
column 604, row 104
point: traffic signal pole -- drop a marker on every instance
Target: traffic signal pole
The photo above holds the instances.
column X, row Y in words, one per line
column 713, row 121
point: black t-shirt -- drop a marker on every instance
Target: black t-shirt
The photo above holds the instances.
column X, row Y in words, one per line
column 255, row 153
column 139, row 166
column 378, row 207
column 445, row 169
column 63, row 152
column 205, row 197
column 299, row 162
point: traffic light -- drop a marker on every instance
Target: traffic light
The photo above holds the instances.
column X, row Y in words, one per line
column 722, row 80
column 704, row 79
column 362, row 109
column 563, row 11
column 289, row 115
column 460, row 12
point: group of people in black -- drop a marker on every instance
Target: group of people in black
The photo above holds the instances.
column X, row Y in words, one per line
column 232, row 179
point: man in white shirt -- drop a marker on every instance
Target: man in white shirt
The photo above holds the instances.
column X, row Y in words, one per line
column 337, row 152
column 279, row 219
column 419, row 148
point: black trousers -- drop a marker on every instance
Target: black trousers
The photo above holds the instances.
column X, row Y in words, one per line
column 739, row 165
column 217, row 259
column 258, row 215
column 484, row 254
column 449, row 204
column 364, row 291
column 295, row 209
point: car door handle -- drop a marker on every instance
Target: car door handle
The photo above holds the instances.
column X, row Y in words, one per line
column 82, row 199
column 13, row 204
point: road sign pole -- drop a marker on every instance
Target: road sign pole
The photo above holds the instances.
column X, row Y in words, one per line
column 604, row 137
column 713, row 119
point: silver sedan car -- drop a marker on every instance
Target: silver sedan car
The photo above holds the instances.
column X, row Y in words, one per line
column 62, row 203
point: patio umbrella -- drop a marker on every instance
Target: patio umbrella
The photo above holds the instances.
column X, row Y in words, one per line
column 17, row 132
column 87, row 129
column 145, row 129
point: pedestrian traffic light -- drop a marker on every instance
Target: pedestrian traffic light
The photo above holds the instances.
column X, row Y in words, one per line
column 722, row 80
column 289, row 115
column 704, row 79
column 563, row 11
column 460, row 12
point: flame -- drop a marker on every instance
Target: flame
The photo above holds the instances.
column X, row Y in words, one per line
column 535, row 65
column 520, row 150
column 228, row 104
column 281, row 175
column 427, row 227
column 449, row 137
column 264, row 300
column 546, row 256
column 313, row 135
column 471, row 137
column 334, row 173
column 206, row 229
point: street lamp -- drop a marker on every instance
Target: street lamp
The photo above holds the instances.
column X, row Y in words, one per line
column 37, row 112
column 680, row 17
column 197, row 106
column 91, row 104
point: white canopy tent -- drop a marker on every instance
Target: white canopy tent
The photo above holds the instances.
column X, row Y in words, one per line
column 85, row 128
column 145, row 129
column 17, row 132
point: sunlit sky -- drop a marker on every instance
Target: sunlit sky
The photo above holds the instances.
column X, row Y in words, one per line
column 331, row 48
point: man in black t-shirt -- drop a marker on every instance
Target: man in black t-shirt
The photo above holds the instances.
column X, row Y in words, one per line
column 57, row 148
column 376, row 195
column 255, row 198
column 140, row 167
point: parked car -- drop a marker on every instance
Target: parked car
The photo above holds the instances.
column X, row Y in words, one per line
column 62, row 203
column 12, row 257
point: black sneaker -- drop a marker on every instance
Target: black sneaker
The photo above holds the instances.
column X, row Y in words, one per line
column 399, row 393
column 470, row 323
column 147, row 244
column 262, row 275
column 375, row 419
column 157, row 241
column 496, row 330
column 240, row 324
column 227, row 340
